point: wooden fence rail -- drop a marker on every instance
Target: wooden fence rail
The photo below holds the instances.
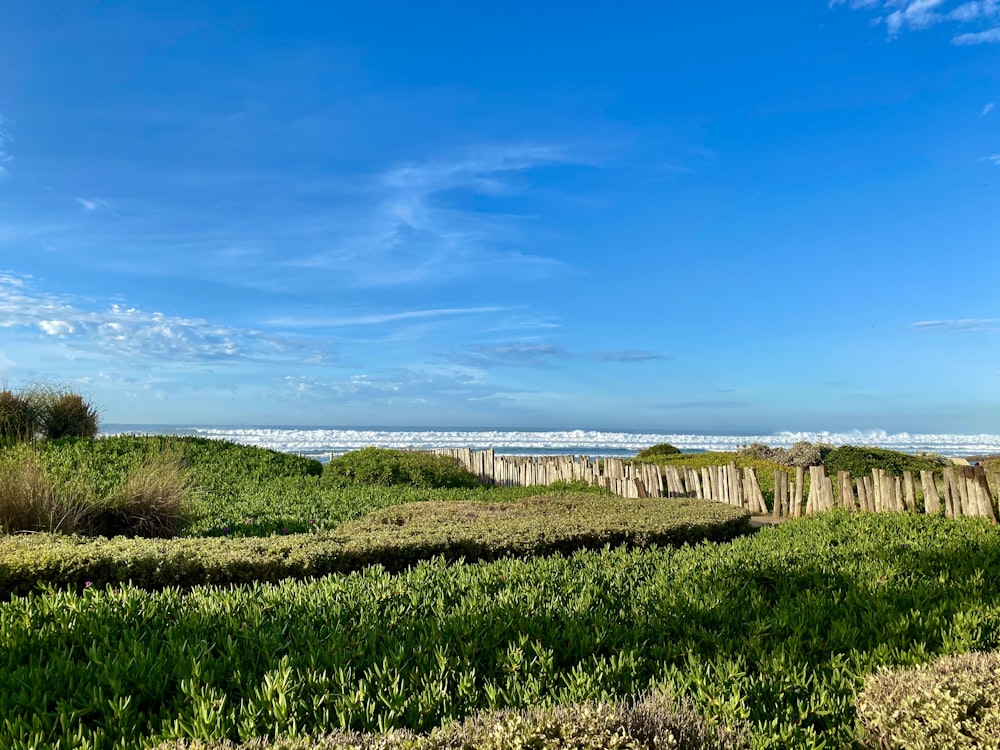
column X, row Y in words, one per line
column 955, row 491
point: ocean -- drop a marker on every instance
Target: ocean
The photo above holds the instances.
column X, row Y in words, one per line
column 322, row 442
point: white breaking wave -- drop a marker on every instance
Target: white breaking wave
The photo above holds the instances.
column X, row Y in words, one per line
column 325, row 442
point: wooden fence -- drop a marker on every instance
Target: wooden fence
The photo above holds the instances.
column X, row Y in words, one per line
column 955, row 491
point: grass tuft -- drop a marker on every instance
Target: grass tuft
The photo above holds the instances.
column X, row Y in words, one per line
column 31, row 501
column 153, row 501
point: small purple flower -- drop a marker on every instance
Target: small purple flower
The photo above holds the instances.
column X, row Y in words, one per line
column 225, row 529
column 87, row 584
column 249, row 519
column 312, row 520
column 284, row 530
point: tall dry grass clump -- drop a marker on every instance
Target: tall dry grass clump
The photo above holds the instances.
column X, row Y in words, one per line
column 31, row 501
column 20, row 417
column 67, row 414
column 46, row 411
column 154, row 500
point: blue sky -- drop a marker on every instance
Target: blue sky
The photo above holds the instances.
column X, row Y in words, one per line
column 728, row 217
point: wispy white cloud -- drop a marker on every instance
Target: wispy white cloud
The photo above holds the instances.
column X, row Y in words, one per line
column 987, row 108
column 962, row 325
column 976, row 10
column 92, row 204
column 379, row 318
column 628, row 355
column 418, row 228
column 990, row 36
column 995, row 158
column 120, row 331
column 396, row 387
column 915, row 15
column 511, row 355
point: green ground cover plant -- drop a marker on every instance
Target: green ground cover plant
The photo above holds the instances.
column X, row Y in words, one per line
column 779, row 629
column 393, row 538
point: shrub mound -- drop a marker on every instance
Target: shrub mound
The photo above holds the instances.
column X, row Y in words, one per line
column 394, row 538
column 951, row 703
column 802, row 453
column 657, row 451
column 387, row 467
column 654, row 721
column 861, row 459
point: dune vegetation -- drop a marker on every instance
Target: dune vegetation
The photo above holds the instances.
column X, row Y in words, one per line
column 186, row 593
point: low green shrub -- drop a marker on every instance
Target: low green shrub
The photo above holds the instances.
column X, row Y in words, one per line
column 657, row 451
column 394, row 538
column 950, row 704
column 860, row 460
column 388, row 467
column 654, row 721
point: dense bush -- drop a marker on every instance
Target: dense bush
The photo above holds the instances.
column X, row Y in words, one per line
column 860, row 460
column 68, row 414
column 655, row 721
column 657, row 451
column 20, row 417
column 950, row 704
column 387, row 467
column 393, row 538
column 45, row 411
column 779, row 629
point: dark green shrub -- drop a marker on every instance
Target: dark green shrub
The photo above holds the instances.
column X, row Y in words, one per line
column 20, row 417
column 387, row 467
column 68, row 414
column 951, row 703
column 860, row 460
column 657, row 451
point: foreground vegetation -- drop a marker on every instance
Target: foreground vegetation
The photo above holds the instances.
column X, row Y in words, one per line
column 376, row 602
column 393, row 539
column 779, row 630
